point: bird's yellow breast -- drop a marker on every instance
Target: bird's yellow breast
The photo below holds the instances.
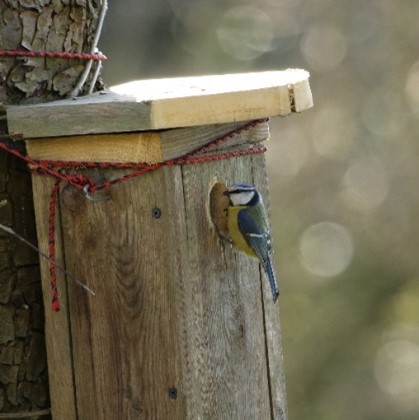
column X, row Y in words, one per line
column 236, row 236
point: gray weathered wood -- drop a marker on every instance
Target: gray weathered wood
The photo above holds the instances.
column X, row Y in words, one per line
column 57, row 326
column 168, row 103
column 124, row 339
column 174, row 306
column 271, row 312
column 227, row 367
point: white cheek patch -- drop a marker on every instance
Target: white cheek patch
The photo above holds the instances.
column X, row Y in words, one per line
column 242, row 198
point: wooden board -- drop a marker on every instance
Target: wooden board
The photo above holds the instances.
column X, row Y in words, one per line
column 271, row 312
column 150, row 147
column 174, row 307
column 224, row 337
column 57, row 324
column 125, row 338
column 167, row 103
column 125, row 147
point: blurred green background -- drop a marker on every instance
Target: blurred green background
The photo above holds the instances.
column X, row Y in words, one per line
column 343, row 178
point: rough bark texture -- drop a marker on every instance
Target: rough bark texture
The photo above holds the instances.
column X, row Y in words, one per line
column 37, row 25
column 43, row 25
column 23, row 370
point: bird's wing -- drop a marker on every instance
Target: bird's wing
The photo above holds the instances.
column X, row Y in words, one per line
column 257, row 239
column 260, row 241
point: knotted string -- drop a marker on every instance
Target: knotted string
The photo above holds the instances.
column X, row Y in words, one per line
column 51, row 54
column 58, row 170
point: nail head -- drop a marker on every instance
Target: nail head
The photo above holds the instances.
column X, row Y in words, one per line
column 156, row 213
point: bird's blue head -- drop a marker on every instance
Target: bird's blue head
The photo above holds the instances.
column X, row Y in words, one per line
column 242, row 195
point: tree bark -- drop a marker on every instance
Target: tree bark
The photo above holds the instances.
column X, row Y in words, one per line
column 34, row 25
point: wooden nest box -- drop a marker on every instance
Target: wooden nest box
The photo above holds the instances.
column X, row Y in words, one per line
column 180, row 326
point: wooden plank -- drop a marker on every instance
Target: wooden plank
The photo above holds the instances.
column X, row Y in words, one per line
column 125, row 147
column 57, row 325
column 271, row 312
column 180, row 141
column 231, row 332
column 125, row 338
column 147, row 147
column 167, row 103
column 225, row 362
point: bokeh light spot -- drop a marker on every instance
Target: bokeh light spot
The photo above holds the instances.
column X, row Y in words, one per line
column 396, row 370
column 323, row 47
column 383, row 112
column 333, row 132
column 365, row 184
column 245, row 32
column 326, row 249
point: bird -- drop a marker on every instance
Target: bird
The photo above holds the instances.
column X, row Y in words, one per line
column 248, row 228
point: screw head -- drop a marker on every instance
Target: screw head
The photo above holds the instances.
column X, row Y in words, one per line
column 172, row 393
column 156, row 213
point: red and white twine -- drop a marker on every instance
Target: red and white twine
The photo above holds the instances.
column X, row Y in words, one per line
column 60, row 170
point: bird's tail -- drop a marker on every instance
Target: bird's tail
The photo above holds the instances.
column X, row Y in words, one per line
column 272, row 279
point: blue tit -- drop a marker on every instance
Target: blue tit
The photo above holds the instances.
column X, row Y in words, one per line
column 249, row 229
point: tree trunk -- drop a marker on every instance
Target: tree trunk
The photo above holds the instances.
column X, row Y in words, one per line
column 30, row 25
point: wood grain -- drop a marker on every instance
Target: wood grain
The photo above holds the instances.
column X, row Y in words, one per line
column 271, row 312
column 125, row 147
column 167, row 103
column 176, row 308
column 178, row 142
column 148, row 147
column 224, row 342
column 57, row 325
column 124, row 338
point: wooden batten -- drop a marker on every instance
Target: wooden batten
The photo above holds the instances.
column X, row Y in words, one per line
column 148, row 147
column 181, row 325
column 121, row 147
column 167, row 103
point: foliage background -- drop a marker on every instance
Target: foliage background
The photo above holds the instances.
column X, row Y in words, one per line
column 343, row 178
